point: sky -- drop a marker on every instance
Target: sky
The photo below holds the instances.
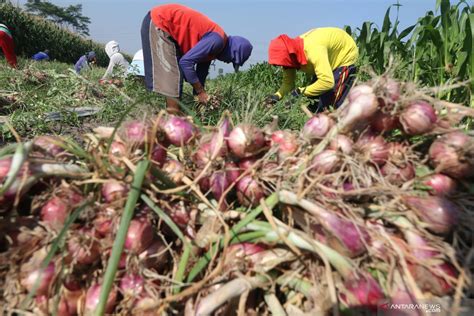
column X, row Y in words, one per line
column 258, row 20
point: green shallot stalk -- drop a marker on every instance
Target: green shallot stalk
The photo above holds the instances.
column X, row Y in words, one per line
column 270, row 202
column 119, row 243
column 303, row 286
column 300, row 240
column 19, row 158
column 228, row 291
column 274, row 305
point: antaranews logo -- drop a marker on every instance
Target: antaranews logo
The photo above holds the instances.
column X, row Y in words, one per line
column 436, row 308
column 389, row 308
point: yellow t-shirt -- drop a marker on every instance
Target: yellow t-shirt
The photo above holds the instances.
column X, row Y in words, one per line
column 325, row 49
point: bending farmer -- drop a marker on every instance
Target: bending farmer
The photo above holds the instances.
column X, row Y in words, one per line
column 178, row 41
column 39, row 56
column 7, row 45
column 84, row 61
column 326, row 55
column 112, row 49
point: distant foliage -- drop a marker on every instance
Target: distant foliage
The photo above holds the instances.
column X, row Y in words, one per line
column 70, row 16
column 435, row 51
column 32, row 34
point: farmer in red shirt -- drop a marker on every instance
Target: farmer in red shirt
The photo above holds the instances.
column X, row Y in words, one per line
column 7, row 45
column 178, row 41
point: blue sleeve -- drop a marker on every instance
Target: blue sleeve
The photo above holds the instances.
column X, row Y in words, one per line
column 210, row 45
column 40, row 56
column 80, row 64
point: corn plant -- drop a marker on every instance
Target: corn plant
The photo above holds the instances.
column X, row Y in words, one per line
column 32, row 34
column 435, row 51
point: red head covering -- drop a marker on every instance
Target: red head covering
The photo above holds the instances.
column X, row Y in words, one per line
column 287, row 52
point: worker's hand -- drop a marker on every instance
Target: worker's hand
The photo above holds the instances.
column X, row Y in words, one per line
column 271, row 99
column 296, row 93
column 203, row 97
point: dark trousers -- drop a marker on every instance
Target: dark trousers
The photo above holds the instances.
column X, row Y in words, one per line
column 343, row 80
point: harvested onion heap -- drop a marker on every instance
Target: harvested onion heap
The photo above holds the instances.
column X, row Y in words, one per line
column 381, row 190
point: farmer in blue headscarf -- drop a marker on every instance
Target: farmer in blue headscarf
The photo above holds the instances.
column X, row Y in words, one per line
column 84, row 61
column 178, row 41
column 39, row 56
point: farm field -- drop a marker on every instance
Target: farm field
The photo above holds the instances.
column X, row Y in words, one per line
column 109, row 205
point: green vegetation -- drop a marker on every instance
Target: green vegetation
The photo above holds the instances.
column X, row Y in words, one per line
column 32, row 34
column 70, row 16
column 437, row 50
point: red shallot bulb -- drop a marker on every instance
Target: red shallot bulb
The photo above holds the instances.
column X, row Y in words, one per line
column 55, row 212
column 418, row 118
column 232, row 171
column 103, row 223
column 384, row 122
column 440, row 214
column 434, row 279
column 5, row 165
column 92, row 299
column 317, row 126
column 179, row 131
column 452, row 155
column 440, row 184
column 341, row 143
column 139, row 235
column 179, row 214
column 374, row 149
column 50, row 145
column 398, row 174
column 219, row 184
column 249, row 191
column 392, row 89
column 207, row 149
column 114, row 190
column 132, row 284
column 204, row 182
column 158, row 155
column 356, row 91
column 46, row 279
column 174, row 170
column 84, row 250
column 247, row 163
column 135, row 132
column 155, row 256
column 325, row 162
column 345, row 237
column 361, row 107
column 286, row 143
column 362, row 290
column 245, row 140
column 117, row 151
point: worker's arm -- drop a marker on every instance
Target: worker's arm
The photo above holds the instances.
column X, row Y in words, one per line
column 322, row 68
column 288, row 82
column 210, row 45
column 202, row 70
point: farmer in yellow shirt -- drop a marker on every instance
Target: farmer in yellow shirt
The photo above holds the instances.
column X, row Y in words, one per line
column 326, row 55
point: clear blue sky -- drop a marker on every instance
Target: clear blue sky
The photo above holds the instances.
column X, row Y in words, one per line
column 258, row 20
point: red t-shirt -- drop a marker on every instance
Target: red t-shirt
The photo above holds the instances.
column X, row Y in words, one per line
column 184, row 24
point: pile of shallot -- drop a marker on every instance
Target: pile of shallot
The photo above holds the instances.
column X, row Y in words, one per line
column 366, row 205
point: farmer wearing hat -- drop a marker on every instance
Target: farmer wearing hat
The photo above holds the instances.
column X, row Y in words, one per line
column 84, row 61
column 7, row 45
column 178, row 41
column 326, row 55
